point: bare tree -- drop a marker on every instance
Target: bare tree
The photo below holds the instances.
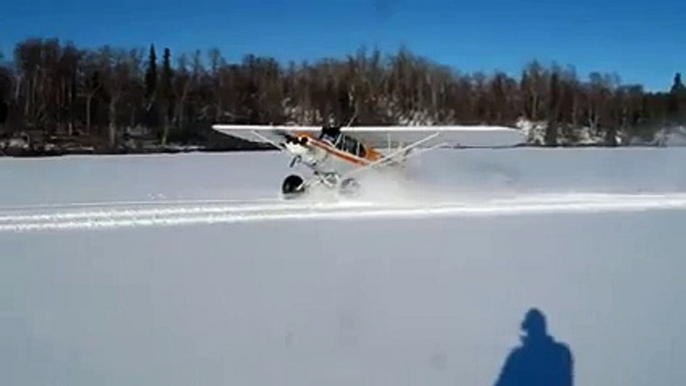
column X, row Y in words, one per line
column 59, row 88
column 6, row 87
column 117, row 69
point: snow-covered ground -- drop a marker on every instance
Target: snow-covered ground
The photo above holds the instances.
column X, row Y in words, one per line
column 186, row 269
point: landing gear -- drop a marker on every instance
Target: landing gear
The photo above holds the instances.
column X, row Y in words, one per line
column 293, row 186
column 349, row 187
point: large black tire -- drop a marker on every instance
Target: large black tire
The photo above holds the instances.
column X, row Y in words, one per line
column 292, row 186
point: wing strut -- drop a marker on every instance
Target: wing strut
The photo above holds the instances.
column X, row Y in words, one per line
column 265, row 139
column 395, row 153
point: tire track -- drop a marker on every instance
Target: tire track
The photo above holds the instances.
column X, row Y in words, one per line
column 116, row 216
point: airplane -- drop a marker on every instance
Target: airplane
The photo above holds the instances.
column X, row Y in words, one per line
column 336, row 154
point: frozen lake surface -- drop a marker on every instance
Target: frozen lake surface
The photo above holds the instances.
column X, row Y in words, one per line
column 187, row 269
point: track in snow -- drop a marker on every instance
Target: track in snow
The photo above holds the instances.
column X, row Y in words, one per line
column 177, row 213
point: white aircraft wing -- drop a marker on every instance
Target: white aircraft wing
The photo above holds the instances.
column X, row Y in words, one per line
column 388, row 136
column 266, row 134
column 450, row 136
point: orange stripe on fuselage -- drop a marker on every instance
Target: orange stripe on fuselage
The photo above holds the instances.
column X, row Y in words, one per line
column 370, row 156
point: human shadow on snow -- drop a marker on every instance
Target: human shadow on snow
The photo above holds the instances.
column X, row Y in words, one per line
column 539, row 360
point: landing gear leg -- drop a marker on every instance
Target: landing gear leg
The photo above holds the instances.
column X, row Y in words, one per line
column 349, row 187
column 294, row 186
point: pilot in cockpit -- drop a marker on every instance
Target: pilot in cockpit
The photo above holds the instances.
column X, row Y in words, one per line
column 330, row 134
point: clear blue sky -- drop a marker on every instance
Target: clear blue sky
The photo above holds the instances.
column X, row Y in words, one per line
column 643, row 41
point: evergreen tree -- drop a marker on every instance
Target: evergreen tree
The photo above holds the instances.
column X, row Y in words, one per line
column 676, row 112
column 151, row 74
column 151, row 89
column 678, row 86
column 166, row 94
column 5, row 93
column 4, row 111
column 551, row 131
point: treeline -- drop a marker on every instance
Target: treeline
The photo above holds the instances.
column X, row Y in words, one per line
column 61, row 90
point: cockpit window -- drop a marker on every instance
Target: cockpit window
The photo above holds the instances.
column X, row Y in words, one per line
column 350, row 145
column 329, row 137
column 343, row 142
